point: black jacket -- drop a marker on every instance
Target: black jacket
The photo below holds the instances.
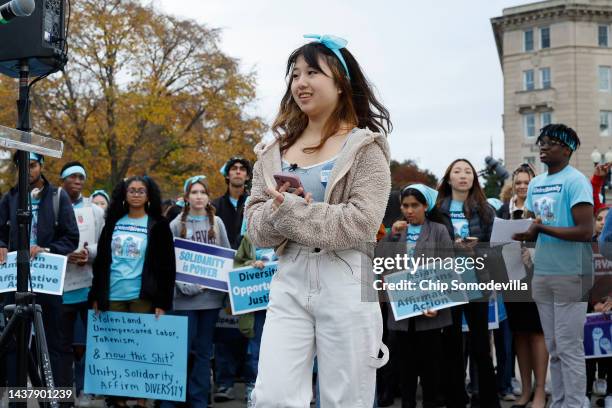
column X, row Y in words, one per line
column 61, row 237
column 231, row 217
column 158, row 271
column 433, row 242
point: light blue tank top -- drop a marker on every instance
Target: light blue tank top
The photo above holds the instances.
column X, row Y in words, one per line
column 314, row 178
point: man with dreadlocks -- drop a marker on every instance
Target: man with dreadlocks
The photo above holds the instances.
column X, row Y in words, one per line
column 561, row 200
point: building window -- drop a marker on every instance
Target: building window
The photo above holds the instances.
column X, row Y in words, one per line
column 602, row 36
column 545, row 118
column 604, row 78
column 545, row 78
column 529, row 160
column 528, row 40
column 529, row 121
column 545, row 37
column 604, row 123
column 528, row 84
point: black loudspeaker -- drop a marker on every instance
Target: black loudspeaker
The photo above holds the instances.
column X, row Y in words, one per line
column 39, row 38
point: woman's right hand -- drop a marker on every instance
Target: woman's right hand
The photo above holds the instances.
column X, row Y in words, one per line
column 258, row 264
column 279, row 198
column 398, row 227
column 94, row 306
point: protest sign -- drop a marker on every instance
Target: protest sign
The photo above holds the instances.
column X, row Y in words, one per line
column 249, row 288
column 128, row 354
column 47, row 272
column 597, row 336
column 203, row 264
column 425, row 289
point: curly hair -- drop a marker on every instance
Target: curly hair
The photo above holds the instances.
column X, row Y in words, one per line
column 119, row 207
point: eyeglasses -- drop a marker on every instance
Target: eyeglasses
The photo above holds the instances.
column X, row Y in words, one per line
column 549, row 143
column 137, row 191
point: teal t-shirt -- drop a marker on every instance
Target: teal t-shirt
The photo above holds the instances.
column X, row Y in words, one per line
column 461, row 225
column 128, row 246
column 551, row 197
column 78, row 295
column 234, row 202
column 34, row 225
column 412, row 235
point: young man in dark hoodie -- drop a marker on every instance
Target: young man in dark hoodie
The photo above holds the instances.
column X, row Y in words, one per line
column 49, row 232
column 230, row 206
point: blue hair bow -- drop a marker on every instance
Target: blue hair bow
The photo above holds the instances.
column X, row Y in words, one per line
column 334, row 44
column 192, row 180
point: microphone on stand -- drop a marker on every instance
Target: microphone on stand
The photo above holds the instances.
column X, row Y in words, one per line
column 16, row 8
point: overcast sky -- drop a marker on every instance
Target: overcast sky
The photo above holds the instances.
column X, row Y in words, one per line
column 434, row 64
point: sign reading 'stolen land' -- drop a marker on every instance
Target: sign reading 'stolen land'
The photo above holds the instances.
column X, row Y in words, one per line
column 128, row 354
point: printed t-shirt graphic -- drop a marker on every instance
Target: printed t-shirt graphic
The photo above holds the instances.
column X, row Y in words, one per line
column 551, row 197
column 411, row 238
column 128, row 246
column 460, row 223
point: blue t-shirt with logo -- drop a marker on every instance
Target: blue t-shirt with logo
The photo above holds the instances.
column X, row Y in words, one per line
column 128, row 246
column 34, row 226
column 551, row 197
column 461, row 225
column 412, row 235
column 314, row 178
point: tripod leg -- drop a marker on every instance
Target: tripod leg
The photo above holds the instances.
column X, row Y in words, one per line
column 8, row 333
column 42, row 353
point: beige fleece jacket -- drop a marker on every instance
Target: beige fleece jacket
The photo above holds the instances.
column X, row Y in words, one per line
column 351, row 212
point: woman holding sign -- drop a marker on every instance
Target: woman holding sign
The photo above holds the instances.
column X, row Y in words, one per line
column 330, row 142
column 197, row 222
column 418, row 340
column 135, row 267
column 469, row 221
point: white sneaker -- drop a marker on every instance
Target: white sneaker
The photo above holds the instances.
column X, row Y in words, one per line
column 600, row 387
column 608, row 402
column 516, row 387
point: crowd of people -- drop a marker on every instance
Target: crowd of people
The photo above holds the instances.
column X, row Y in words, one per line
column 331, row 134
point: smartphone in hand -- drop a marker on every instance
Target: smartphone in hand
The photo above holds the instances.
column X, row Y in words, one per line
column 293, row 180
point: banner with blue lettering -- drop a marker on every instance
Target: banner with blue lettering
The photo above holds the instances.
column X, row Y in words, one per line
column 203, row 264
column 597, row 335
column 249, row 288
column 426, row 289
column 128, row 354
column 47, row 273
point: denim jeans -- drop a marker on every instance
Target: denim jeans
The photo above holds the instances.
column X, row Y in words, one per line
column 230, row 354
column 255, row 343
column 503, row 354
column 201, row 328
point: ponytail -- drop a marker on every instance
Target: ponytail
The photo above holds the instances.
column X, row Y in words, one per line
column 210, row 211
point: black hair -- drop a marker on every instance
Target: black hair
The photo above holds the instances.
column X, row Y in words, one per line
column 563, row 133
column 70, row 164
column 238, row 159
column 118, row 205
column 433, row 215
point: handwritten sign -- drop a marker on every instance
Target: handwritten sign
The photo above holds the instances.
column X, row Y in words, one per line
column 47, row 272
column 249, row 288
column 418, row 293
column 203, row 264
column 136, row 355
column 597, row 335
